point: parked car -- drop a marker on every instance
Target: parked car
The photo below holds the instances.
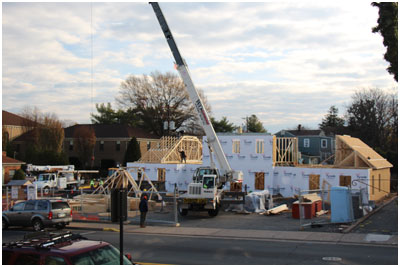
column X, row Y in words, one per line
column 39, row 214
column 62, row 248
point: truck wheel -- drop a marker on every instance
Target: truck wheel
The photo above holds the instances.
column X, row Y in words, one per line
column 213, row 213
column 37, row 225
column 183, row 212
column 46, row 190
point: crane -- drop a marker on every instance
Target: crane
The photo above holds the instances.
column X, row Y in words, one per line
column 205, row 192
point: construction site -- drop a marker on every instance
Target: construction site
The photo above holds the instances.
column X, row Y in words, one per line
column 244, row 172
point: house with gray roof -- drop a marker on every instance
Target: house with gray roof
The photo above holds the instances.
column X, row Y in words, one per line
column 315, row 147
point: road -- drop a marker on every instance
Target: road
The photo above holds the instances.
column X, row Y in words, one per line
column 164, row 249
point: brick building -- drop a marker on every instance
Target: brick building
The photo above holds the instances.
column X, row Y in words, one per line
column 10, row 165
column 111, row 143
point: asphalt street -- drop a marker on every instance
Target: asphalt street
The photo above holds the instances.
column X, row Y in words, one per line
column 159, row 249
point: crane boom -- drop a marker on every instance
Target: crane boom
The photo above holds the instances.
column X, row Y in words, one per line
column 225, row 170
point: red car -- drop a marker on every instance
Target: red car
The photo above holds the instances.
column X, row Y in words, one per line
column 64, row 248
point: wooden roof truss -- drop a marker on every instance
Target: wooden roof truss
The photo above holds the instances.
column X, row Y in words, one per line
column 122, row 178
column 168, row 150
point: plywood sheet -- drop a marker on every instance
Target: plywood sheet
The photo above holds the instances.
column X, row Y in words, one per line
column 365, row 156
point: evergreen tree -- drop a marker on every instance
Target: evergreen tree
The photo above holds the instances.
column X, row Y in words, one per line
column 332, row 123
column 387, row 27
column 254, row 125
column 19, row 175
column 133, row 151
column 222, row 126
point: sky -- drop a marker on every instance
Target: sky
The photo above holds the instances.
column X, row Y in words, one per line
column 285, row 62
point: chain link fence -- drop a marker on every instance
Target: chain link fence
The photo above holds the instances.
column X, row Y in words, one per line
column 331, row 206
column 87, row 206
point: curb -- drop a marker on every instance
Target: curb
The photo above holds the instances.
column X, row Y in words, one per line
column 362, row 219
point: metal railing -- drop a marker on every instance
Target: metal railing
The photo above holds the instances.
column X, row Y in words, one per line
column 97, row 207
column 317, row 207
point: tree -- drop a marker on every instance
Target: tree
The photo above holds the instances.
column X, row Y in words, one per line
column 85, row 139
column 254, row 125
column 159, row 98
column 107, row 115
column 46, row 135
column 222, row 126
column 19, row 175
column 332, row 123
column 387, row 27
column 369, row 117
column 132, row 151
column 47, row 130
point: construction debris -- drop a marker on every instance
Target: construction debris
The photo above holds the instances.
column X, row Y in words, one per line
column 321, row 212
column 276, row 210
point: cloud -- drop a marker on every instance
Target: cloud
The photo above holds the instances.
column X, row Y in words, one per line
column 285, row 62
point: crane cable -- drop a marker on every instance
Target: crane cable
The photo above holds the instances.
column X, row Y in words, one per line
column 91, row 55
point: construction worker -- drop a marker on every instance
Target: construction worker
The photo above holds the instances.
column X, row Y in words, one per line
column 92, row 184
column 143, row 208
column 101, row 182
column 183, row 156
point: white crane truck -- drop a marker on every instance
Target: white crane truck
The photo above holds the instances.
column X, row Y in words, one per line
column 206, row 191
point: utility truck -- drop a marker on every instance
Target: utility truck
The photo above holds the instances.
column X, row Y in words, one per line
column 57, row 177
column 206, row 190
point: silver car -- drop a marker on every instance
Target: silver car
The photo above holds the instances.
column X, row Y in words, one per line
column 38, row 214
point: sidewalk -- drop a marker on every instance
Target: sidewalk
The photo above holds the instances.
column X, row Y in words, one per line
column 339, row 238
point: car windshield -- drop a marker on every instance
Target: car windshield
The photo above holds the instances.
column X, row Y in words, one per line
column 44, row 177
column 107, row 255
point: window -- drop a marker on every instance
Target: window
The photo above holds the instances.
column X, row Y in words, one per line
column 324, row 143
column 11, row 173
column 18, row 148
column 27, row 259
column 53, row 260
column 19, row 206
column 306, row 142
column 6, row 137
column 236, row 146
column 71, row 145
column 373, row 184
column 59, row 205
column 259, row 181
column 101, row 146
column 379, row 182
column 259, row 146
column 42, row 205
column 30, row 205
column 118, row 146
column 161, row 175
column 345, row 181
column 313, row 182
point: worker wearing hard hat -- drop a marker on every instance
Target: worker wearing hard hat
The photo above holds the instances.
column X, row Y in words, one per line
column 143, row 208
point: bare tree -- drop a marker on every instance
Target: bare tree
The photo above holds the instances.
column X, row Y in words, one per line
column 159, row 98
column 47, row 130
column 85, row 138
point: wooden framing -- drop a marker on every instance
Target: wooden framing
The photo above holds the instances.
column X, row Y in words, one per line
column 121, row 178
column 285, row 151
column 352, row 152
column 168, row 151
